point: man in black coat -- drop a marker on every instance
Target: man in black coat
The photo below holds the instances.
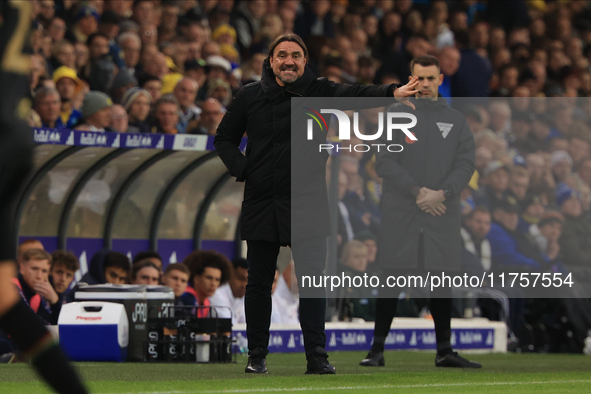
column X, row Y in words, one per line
column 421, row 213
column 263, row 110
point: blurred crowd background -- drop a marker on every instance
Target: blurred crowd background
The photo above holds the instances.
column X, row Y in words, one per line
column 173, row 67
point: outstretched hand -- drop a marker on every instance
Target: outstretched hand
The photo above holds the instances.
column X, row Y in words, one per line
column 405, row 91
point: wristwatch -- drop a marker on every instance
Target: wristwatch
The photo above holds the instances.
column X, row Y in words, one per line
column 447, row 194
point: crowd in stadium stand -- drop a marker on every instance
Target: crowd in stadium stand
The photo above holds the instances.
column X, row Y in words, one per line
column 173, row 67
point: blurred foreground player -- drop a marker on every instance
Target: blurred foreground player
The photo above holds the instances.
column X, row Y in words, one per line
column 17, row 319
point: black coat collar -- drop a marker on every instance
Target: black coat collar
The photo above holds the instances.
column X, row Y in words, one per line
column 421, row 103
column 272, row 89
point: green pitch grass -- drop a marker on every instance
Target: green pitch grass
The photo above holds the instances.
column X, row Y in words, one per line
column 405, row 372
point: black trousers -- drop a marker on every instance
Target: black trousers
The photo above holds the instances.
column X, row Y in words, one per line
column 309, row 259
column 441, row 310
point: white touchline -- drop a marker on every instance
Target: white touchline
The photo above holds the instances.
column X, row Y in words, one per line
column 386, row 386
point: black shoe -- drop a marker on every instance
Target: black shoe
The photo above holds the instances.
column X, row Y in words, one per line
column 373, row 359
column 257, row 361
column 318, row 363
column 454, row 360
column 7, row 358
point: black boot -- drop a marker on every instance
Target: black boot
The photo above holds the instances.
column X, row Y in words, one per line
column 318, row 363
column 257, row 361
column 373, row 359
column 454, row 360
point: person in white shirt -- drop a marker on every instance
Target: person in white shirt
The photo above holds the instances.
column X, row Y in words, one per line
column 229, row 298
column 285, row 298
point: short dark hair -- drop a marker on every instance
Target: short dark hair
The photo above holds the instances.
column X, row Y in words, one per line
column 148, row 78
column 93, row 36
column 166, row 99
column 197, row 261
column 140, row 265
column 67, row 259
column 240, row 262
column 291, row 38
column 479, row 208
column 424, row 61
column 146, row 254
column 177, row 267
column 118, row 260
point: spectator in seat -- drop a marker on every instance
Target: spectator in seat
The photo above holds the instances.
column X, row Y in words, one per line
column 26, row 245
column 506, row 242
column 584, row 171
column 136, row 102
column 106, row 266
column 166, row 115
column 474, row 73
column 85, row 24
column 185, row 92
column 63, row 269
column 476, row 252
column 518, row 183
column 209, row 270
column 195, row 69
column 47, row 105
column 540, row 174
column 145, row 272
column 70, row 88
column 61, row 275
column 154, row 257
column 119, row 119
column 109, row 26
column 96, row 112
column 561, row 164
column 546, row 234
column 219, row 90
column 212, row 113
column 131, row 46
column 449, row 62
column 574, row 241
column 153, row 85
column 62, row 54
column 496, row 183
column 246, row 19
column 56, row 29
column 370, row 241
column 229, row 298
column 176, row 277
column 217, row 68
column 356, row 302
column 122, row 82
column 156, row 66
column 100, row 69
column 532, row 209
column 284, row 297
column 34, row 287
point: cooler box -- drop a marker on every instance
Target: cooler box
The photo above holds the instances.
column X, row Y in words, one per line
column 94, row 331
column 140, row 301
